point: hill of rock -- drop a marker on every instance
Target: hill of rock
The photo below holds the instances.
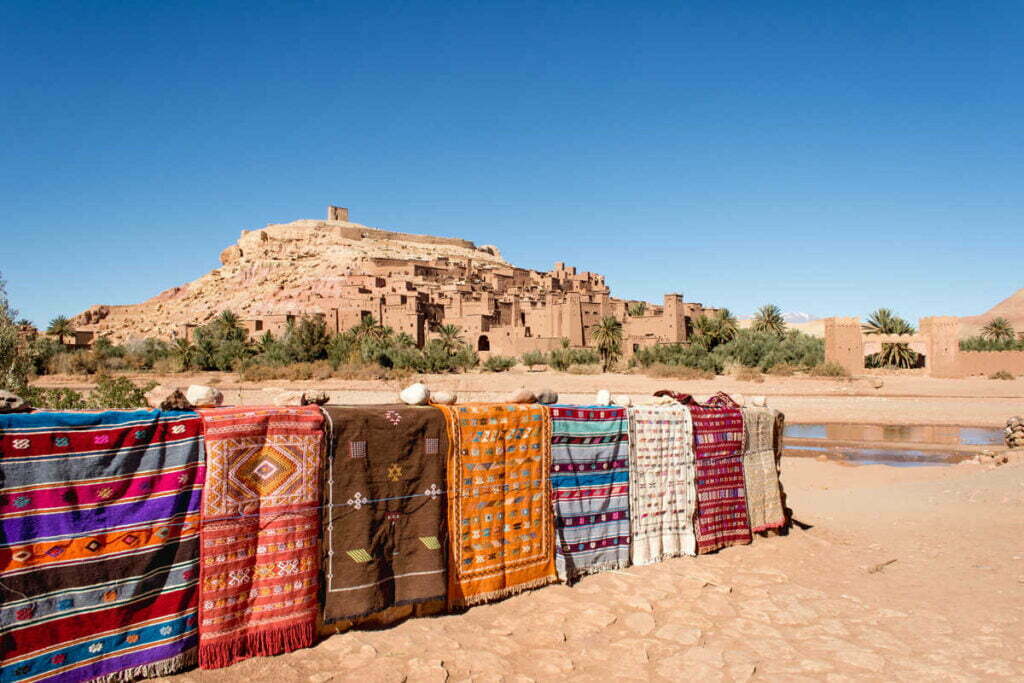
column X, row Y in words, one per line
column 278, row 269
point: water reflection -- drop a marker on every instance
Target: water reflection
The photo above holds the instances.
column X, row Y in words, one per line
column 952, row 435
column 840, row 440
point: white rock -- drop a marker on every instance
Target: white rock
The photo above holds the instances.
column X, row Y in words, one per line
column 203, row 396
column 415, row 394
column 522, row 395
column 604, row 398
column 759, row 401
column 623, row 400
column 288, row 398
column 445, row 398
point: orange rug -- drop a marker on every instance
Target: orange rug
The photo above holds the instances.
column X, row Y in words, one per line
column 499, row 501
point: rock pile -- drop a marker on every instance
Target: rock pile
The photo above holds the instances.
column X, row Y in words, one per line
column 1015, row 432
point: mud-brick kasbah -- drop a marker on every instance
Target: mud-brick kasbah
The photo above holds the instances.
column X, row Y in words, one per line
column 342, row 271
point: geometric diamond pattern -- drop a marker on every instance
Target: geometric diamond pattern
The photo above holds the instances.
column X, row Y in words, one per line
column 273, row 470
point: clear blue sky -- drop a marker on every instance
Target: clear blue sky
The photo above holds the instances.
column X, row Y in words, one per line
column 829, row 157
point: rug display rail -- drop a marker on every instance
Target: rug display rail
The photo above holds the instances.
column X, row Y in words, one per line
column 141, row 543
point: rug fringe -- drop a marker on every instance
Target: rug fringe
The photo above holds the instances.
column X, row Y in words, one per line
column 470, row 600
column 165, row 667
column 264, row 643
column 579, row 572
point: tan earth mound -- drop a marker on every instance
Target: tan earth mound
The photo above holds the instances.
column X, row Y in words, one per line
column 279, row 269
column 1011, row 308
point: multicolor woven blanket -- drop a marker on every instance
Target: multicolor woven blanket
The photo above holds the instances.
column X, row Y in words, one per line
column 260, row 551
column 99, row 515
column 384, row 529
column 499, row 504
column 590, row 489
column 762, row 430
column 662, row 496
column 721, row 498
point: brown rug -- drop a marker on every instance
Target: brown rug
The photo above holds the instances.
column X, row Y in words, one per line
column 384, row 531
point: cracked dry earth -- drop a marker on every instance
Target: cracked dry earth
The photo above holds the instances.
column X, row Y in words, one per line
column 905, row 574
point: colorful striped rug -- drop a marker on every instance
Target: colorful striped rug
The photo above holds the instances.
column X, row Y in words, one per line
column 260, row 550
column 499, row 501
column 762, row 429
column 662, row 495
column 590, row 489
column 384, row 527
column 721, row 496
column 99, row 515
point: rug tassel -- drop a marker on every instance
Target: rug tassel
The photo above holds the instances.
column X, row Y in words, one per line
column 258, row 644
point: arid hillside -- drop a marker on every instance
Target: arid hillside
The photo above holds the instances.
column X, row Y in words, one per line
column 276, row 270
column 1011, row 308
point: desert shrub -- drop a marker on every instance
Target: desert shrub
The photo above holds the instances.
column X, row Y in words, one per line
column 72, row 363
column 561, row 359
column 54, row 399
column 979, row 343
column 342, row 349
column 41, row 352
column 299, row 371
column 584, row 369
column 167, row 366
column 144, row 355
column 117, row 393
column 256, row 372
column 499, row 363
column 690, row 356
column 677, row 372
column 534, row 358
column 745, row 374
column 1001, row 374
column 829, row 369
column 782, row 370
column 14, row 362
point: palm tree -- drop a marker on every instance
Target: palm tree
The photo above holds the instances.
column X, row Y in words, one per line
column 883, row 321
column 769, row 319
column 998, row 330
column 62, row 327
column 726, row 323
column 607, row 334
column 228, row 319
column 451, row 338
column 185, row 352
column 369, row 329
column 636, row 309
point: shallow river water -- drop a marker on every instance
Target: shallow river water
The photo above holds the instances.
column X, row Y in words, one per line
column 896, row 445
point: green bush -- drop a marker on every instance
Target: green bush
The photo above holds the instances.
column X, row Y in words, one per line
column 499, row 363
column 690, row 356
column 307, row 340
column 979, row 343
column 534, row 358
column 561, row 359
column 763, row 350
column 117, row 393
column 54, row 399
